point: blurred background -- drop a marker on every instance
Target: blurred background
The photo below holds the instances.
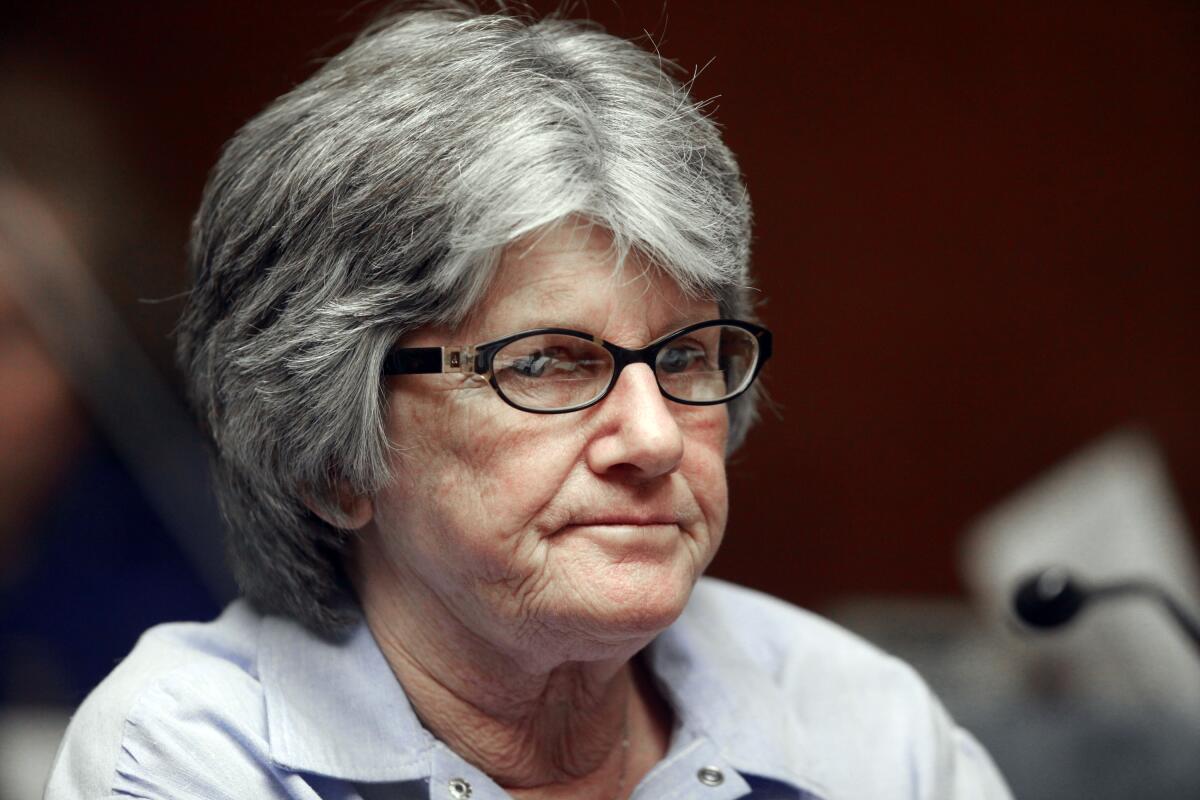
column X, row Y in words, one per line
column 976, row 235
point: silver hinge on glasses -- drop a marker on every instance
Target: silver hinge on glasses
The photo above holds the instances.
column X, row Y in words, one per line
column 458, row 359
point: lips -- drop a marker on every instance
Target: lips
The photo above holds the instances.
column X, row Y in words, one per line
column 625, row 520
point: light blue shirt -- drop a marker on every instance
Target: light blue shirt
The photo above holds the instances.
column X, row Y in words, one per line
column 770, row 702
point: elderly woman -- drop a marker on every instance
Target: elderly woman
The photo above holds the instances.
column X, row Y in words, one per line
column 470, row 337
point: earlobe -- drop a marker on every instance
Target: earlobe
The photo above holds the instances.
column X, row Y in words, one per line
column 357, row 511
column 351, row 512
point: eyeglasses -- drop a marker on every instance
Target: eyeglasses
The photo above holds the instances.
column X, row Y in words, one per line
column 556, row 370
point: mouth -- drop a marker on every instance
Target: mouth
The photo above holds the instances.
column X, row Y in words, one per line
column 626, row 532
column 624, row 521
column 626, row 537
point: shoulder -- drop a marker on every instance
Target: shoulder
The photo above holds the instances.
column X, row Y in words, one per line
column 831, row 694
column 824, row 669
column 186, row 688
column 782, row 638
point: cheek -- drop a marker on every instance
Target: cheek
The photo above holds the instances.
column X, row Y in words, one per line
column 463, row 491
column 519, row 471
column 704, row 463
column 712, row 494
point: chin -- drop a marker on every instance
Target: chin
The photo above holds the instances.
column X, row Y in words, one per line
column 614, row 592
column 638, row 600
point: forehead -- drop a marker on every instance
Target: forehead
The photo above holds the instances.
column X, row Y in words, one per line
column 571, row 275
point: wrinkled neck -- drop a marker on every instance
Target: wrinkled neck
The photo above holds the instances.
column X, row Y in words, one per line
column 539, row 728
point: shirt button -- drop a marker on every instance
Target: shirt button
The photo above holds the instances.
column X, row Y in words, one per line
column 711, row 776
column 459, row 789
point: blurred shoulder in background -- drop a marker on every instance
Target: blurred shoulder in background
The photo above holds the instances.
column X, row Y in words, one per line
column 106, row 526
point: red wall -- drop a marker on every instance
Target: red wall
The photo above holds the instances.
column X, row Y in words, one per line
column 976, row 231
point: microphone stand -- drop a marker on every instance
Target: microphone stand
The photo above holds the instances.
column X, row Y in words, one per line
column 1053, row 597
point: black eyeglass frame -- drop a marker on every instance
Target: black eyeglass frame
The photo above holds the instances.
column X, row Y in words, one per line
column 477, row 360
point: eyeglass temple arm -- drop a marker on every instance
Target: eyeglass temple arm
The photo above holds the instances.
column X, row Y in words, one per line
column 764, row 345
column 429, row 360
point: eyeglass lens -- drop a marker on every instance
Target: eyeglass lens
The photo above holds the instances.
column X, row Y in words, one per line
column 551, row 371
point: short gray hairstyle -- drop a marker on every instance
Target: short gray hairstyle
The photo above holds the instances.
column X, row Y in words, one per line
column 376, row 198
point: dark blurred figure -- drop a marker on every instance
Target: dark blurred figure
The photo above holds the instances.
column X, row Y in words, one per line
column 106, row 526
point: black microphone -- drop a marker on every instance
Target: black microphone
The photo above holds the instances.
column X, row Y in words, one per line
column 1053, row 597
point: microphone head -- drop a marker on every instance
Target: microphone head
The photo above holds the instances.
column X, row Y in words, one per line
column 1048, row 599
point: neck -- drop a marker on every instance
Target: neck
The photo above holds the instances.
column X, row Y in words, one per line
column 541, row 728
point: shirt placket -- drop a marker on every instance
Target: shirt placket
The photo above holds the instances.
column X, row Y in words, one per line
column 696, row 772
column 452, row 778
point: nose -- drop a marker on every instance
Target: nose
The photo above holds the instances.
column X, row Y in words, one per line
column 638, row 436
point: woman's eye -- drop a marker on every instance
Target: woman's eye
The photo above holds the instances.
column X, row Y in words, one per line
column 680, row 357
column 545, row 362
column 531, row 366
column 558, row 362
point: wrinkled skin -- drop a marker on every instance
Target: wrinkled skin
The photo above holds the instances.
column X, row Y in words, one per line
column 519, row 561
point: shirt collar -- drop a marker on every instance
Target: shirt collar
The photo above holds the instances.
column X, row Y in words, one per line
column 335, row 708
column 720, row 693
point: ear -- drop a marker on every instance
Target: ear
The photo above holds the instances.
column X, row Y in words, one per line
column 351, row 511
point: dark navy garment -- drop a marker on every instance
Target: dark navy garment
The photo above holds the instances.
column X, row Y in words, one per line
column 98, row 569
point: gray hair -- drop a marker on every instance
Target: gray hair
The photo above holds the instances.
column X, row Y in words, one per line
column 376, row 198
